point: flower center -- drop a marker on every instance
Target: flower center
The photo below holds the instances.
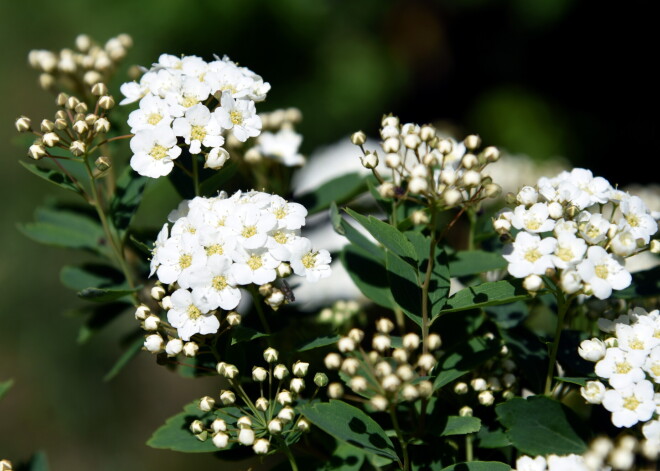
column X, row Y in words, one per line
column 158, row 152
column 633, row 220
column 236, row 117
column 154, row 118
column 255, row 262
column 656, row 334
column 185, row 261
column 309, row 260
column 249, row 231
column 636, row 344
column 655, row 369
column 219, row 283
column 631, row 403
column 215, row 249
column 532, row 224
column 280, row 213
column 532, row 255
column 189, row 101
column 198, row 133
column 593, row 232
column 193, row 312
column 565, row 253
column 622, row 368
column 601, row 271
column 280, row 237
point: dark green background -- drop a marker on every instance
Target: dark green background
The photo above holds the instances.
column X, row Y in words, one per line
column 545, row 78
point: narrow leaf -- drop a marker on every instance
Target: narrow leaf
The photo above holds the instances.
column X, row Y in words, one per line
column 405, row 286
column 471, row 262
column 343, row 227
column 91, row 276
column 52, row 176
column 478, row 466
column 486, row 294
column 457, row 425
column 241, row 333
column 104, row 295
column 349, row 424
column 367, row 273
column 318, row 343
column 386, row 234
column 126, row 199
column 338, row 190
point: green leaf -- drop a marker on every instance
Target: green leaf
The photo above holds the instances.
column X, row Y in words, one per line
column 492, row 438
column 386, row 234
column 486, row 294
column 318, row 343
column 104, row 295
column 471, row 262
column 478, row 466
column 349, row 424
column 529, row 353
column 218, row 180
column 144, row 248
column 338, row 190
column 578, row 381
column 39, row 462
column 440, row 278
column 541, row 426
column 343, row 227
column 65, row 228
column 91, row 276
column 52, row 176
column 367, row 273
column 241, row 333
column 5, row 386
column 126, row 199
column 457, row 425
column 175, row 434
column 405, row 286
column 344, row 458
column 465, row 358
column 131, row 352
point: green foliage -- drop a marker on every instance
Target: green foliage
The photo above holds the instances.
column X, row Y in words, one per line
column 471, row 262
column 318, row 343
column 466, row 357
column 5, row 386
column 457, row 425
column 240, row 333
column 350, row 425
column 130, row 352
column 336, row 191
column 541, row 426
column 486, row 294
column 367, row 271
column 127, row 198
column 55, row 177
column 39, row 462
column 478, row 466
column 387, row 235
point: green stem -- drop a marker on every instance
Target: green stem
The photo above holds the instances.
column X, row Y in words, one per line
column 472, row 216
column 399, row 435
column 289, row 455
column 469, row 452
column 562, row 309
column 426, row 285
column 195, row 175
column 260, row 309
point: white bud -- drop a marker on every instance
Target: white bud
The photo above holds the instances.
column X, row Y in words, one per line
column 412, row 141
column 472, row 141
column 246, row 436
column 280, row 372
column 261, row 446
column 358, row 138
column 284, row 270
column 461, row 388
column 390, row 121
column 382, row 368
column 101, row 126
column 197, row 427
column 592, row 350
column 411, row 341
column 369, row 160
column 297, row 385
column 452, row 196
column 448, row 177
column 303, row 425
column 426, row 361
column 501, row 226
column 430, row 159
column 621, row 458
column 219, row 425
column 471, row 178
column 358, row 384
column 233, row 318
column 405, row 372
column 418, row 185
column 206, row 403
column 346, row 344
column 356, row 335
column 486, row 398
column 570, row 281
column 300, row 368
column 275, row 426
column 166, row 303
column 655, row 246
column 286, row 414
column 593, row 392
column 151, row 322
column 425, row 388
column 220, row 440
column 332, row 361
column 611, row 342
column 244, row 422
column 335, row 390
column 469, row 161
column 434, row 341
column 492, row 190
column 387, row 190
column 51, row 139
column 384, row 325
column 190, row 349
column 153, row 343
column 381, row 342
column 492, row 154
column 227, row 397
column 400, row 355
column 419, row 217
column 409, row 393
column 527, row 196
column 391, row 383
column 231, row 371
column 23, row 124
column 350, row 366
column 533, row 283
column 158, row 292
column 36, row 152
column 479, row 384
column 259, row 374
column 174, row 347
column 393, row 160
column 142, row 312
column 275, row 299
column 389, row 131
column 555, row 210
column 465, row 411
column 284, row 397
column 623, row 244
column 391, row 145
column 379, row 402
column 262, row 404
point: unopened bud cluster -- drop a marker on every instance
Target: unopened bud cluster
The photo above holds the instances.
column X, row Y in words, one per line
column 423, row 164
column 385, row 373
column 271, row 414
column 340, row 313
column 577, row 229
column 278, row 142
column 86, row 65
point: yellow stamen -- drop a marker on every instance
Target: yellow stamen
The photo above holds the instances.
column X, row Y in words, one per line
column 602, row 271
column 193, row 312
column 154, row 118
column 532, row 255
column 622, row 368
column 309, row 260
column 158, row 152
column 631, row 403
column 185, row 261
column 249, row 231
column 215, row 249
column 255, row 262
column 198, row 133
column 236, row 117
column 219, row 283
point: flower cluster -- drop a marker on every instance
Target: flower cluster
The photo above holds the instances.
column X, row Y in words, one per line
column 578, row 227
column 279, row 140
column 217, row 244
column 387, row 375
column 90, row 64
column 256, row 422
column 630, row 363
column 444, row 172
column 188, row 102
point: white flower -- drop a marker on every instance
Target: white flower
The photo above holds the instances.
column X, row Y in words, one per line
column 637, row 219
column 530, row 255
column 652, row 364
column 631, row 404
column 595, row 190
column 282, row 146
column 289, row 215
column 251, row 226
column 527, row 463
column 567, row 463
column 592, row 350
column 624, row 244
column 527, row 196
column 651, row 430
column 603, row 272
column 239, row 116
column 213, row 285
column 619, row 368
column 535, row 219
column 254, row 266
column 562, row 226
column 309, row 263
column 569, row 251
column 593, row 392
column 198, row 127
column 153, row 111
column 216, row 158
column 191, row 92
column 246, row 436
column 154, row 151
column 637, row 340
column 189, row 318
column 593, row 227
column 570, row 281
column 178, row 259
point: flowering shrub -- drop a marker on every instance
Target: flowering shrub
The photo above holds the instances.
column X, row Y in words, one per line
column 438, row 365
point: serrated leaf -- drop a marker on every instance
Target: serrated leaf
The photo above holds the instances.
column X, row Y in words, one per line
column 486, row 294
column 52, row 176
column 386, row 234
column 91, row 275
column 318, row 343
column 465, row 358
column 241, row 333
column 478, row 466
column 541, row 426
column 471, row 262
column 127, row 198
column 175, row 434
column 104, row 295
column 367, row 273
column 405, row 286
column 492, row 438
column 131, row 352
column 5, row 386
column 457, row 425
column 39, row 462
column 338, row 190
column 343, row 227
column 350, row 425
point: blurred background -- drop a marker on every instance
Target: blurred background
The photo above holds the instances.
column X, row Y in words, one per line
column 542, row 78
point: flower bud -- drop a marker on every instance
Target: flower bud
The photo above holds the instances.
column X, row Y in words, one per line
column 426, row 361
column 275, row 426
column 262, row 404
column 227, row 397
column 61, row 124
column 425, row 388
column 233, row 318
column 433, row 341
column 509, row 379
column 381, row 342
column 220, row 440
column 284, row 270
column 469, row 161
column 246, row 436
column 36, row 152
column 369, row 160
column 452, row 197
column 384, row 325
column 389, row 120
column 174, row 347
column 271, row 355
column 350, row 366
column 486, row 398
column 379, row 402
column 99, row 89
column 321, row 380
column 358, row 384
column 356, row 335
column 261, row 446
column 593, row 392
column 244, row 422
column 387, row 190
column 286, row 414
column 259, row 374
column 405, row 372
column 492, row 154
column 592, row 350
column 418, row 185
column 231, row 371
column 46, row 81
column 358, row 138
column 461, row 388
column 346, row 344
column 492, row 190
column 465, row 411
column 332, row 361
column 393, row 160
column 275, row 299
column 280, row 372
column 77, row 148
column 383, row 368
column 206, row 404
column 23, row 124
column 303, row 425
column 153, row 343
column 106, row 102
column 284, row 397
column 151, row 322
column 472, row 142
column 391, row 145
column 300, row 368
column 5, row 465
column 655, row 246
column 479, row 384
column 297, row 385
column 50, row 139
column 400, row 355
column 335, row 390
column 190, row 349
column 410, row 341
column 391, row 383
column 197, row 427
column 412, row 141
column 471, row 178
column 533, row 283
column 101, row 126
